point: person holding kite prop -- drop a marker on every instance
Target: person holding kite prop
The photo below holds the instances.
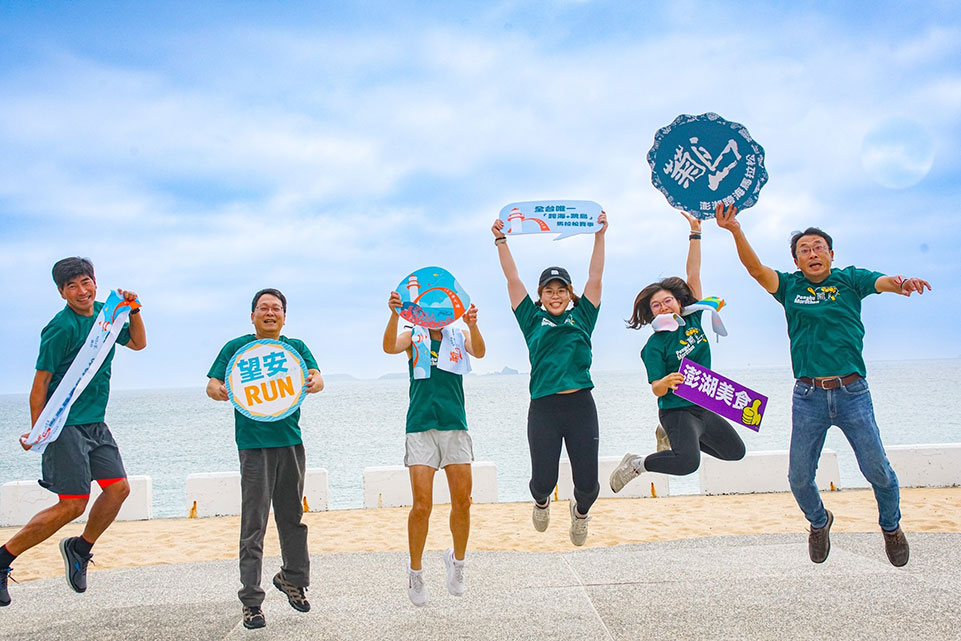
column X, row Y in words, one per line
column 558, row 331
column 673, row 308
column 437, row 438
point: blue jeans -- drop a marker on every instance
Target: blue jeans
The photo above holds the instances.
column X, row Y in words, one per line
column 850, row 408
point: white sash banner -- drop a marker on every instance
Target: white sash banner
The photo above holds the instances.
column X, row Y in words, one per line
column 86, row 364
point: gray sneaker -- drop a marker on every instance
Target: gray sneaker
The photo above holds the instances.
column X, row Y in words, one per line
column 541, row 516
column 896, row 547
column 4, row 594
column 819, row 541
column 578, row 525
column 624, row 473
column 296, row 595
column 75, row 565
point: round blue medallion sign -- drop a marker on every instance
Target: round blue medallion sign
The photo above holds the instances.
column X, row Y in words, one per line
column 699, row 162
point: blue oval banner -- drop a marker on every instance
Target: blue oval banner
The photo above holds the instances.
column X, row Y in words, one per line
column 432, row 298
column 266, row 380
column 699, row 162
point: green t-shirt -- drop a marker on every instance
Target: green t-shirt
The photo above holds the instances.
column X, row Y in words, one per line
column 559, row 347
column 824, row 320
column 436, row 402
column 251, row 434
column 60, row 341
column 664, row 351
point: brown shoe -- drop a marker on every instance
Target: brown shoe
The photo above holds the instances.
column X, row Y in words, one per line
column 896, row 547
column 819, row 541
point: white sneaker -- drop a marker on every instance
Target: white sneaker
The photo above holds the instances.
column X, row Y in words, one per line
column 578, row 525
column 456, row 584
column 541, row 516
column 416, row 588
column 624, row 473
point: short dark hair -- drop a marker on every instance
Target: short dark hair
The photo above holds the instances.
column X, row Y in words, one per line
column 642, row 314
column 67, row 269
column 272, row 292
column 810, row 231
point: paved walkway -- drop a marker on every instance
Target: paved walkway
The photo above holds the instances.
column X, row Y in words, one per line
column 739, row 587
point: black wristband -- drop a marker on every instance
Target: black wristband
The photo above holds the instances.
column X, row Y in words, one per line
column 693, row 236
column 135, row 312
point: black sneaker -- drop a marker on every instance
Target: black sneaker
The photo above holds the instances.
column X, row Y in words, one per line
column 254, row 617
column 295, row 594
column 819, row 541
column 895, row 545
column 75, row 564
column 4, row 595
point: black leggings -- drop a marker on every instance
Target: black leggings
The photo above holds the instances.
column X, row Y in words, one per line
column 693, row 430
column 571, row 418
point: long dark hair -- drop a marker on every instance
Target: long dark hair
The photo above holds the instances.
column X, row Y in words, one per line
column 642, row 304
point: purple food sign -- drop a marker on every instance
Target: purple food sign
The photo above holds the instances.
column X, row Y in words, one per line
column 721, row 395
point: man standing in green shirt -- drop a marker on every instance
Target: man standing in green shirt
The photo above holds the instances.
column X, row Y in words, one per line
column 823, row 310
column 85, row 451
column 272, row 468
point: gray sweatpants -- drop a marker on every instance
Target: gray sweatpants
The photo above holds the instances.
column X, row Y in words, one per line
column 273, row 473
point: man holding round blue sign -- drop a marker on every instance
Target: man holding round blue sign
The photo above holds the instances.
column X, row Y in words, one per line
column 822, row 305
column 265, row 375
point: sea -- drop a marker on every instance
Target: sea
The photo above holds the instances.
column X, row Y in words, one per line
column 168, row 434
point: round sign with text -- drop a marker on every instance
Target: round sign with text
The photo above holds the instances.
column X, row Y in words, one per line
column 431, row 297
column 266, row 380
column 700, row 162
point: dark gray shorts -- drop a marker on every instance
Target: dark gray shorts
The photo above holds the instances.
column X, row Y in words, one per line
column 80, row 455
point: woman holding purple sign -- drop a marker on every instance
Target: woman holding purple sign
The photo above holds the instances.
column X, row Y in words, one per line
column 678, row 334
column 557, row 329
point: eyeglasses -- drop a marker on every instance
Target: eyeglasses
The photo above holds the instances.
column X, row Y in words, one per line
column 662, row 304
column 814, row 249
column 263, row 309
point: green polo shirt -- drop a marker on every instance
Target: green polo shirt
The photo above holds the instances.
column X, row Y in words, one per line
column 60, row 341
column 436, row 402
column 824, row 320
column 251, row 434
column 559, row 347
column 664, row 351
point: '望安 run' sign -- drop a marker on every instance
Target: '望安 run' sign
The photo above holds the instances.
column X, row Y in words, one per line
column 266, row 380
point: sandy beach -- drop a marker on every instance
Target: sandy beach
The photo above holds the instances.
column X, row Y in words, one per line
column 501, row 526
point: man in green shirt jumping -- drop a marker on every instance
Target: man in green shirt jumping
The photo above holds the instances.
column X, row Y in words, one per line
column 823, row 310
column 85, row 451
column 272, row 469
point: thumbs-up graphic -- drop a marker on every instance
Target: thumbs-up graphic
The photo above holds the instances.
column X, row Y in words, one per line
column 751, row 415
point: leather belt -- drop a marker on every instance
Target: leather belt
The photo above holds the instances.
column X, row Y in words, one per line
column 831, row 383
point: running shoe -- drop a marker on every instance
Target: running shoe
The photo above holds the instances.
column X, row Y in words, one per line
column 578, row 525
column 456, row 584
column 416, row 588
column 75, row 564
column 819, row 541
column 541, row 516
column 624, row 473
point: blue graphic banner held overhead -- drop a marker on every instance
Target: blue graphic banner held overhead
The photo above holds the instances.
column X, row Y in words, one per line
column 699, row 162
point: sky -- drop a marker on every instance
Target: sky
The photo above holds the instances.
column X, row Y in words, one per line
column 198, row 152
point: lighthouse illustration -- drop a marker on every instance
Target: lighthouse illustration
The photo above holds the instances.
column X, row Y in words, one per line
column 413, row 287
column 517, row 215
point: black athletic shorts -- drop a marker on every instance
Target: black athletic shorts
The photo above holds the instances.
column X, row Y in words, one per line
column 80, row 455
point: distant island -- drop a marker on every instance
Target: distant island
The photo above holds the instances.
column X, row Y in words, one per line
column 507, row 371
